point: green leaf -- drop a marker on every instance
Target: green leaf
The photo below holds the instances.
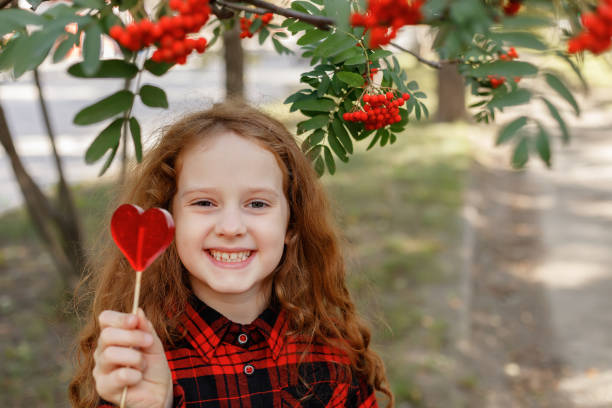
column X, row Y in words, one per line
column 334, row 44
column 413, row 85
column 340, row 12
column 314, row 152
column 135, row 131
column 157, row 68
column 555, row 83
column 65, row 46
column 91, row 4
column 8, row 51
column 336, row 146
column 109, row 160
column 316, row 122
column 313, row 139
column 153, row 96
column 513, row 98
column 521, row 39
column 378, row 54
column 18, row 18
column 374, row 140
column 342, row 135
column 106, row 108
column 263, row 35
column 543, row 145
column 323, row 86
column 329, row 160
column 521, row 153
column 350, row 78
column 312, row 36
column 305, row 6
column 508, row 69
column 280, row 48
column 319, row 166
column 315, row 104
column 112, row 68
column 565, row 136
column 508, row 131
column 91, row 48
column 255, row 25
column 421, row 95
column 107, row 139
column 356, row 60
column 32, row 51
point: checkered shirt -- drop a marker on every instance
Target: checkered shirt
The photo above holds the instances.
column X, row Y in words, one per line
column 222, row 364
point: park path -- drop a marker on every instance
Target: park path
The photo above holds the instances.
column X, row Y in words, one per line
column 540, row 271
column 576, row 269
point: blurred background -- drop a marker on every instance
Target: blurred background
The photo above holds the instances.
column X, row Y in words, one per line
column 485, row 286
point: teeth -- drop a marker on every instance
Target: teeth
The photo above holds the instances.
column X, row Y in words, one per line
column 230, row 257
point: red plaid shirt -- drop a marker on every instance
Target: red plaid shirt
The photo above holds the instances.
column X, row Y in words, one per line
column 220, row 363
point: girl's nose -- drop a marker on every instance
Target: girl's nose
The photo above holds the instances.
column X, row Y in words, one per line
column 230, row 223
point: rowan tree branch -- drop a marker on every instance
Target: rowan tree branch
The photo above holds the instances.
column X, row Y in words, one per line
column 236, row 6
column 433, row 64
column 323, row 23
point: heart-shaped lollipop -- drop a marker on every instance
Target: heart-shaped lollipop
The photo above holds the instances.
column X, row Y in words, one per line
column 141, row 236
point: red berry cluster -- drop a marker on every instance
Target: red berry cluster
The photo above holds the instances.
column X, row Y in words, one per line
column 379, row 110
column 512, row 54
column 169, row 33
column 512, row 7
column 385, row 17
column 245, row 24
column 495, row 81
column 598, row 34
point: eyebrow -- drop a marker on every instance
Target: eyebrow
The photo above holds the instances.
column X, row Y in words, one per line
column 252, row 190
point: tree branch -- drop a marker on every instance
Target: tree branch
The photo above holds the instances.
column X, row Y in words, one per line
column 323, row 23
column 433, row 64
column 236, row 6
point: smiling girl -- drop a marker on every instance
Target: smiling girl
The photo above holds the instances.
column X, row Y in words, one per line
column 248, row 307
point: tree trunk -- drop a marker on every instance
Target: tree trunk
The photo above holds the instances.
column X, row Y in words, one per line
column 234, row 64
column 55, row 233
column 68, row 221
column 451, row 94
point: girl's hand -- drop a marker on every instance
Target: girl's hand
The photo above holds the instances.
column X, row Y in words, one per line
column 129, row 352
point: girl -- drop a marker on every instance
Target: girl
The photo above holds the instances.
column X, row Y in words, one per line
column 248, row 307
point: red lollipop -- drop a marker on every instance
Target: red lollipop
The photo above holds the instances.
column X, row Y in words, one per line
column 142, row 237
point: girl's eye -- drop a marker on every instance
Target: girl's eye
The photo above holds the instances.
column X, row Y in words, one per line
column 257, row 204
column 203, row 203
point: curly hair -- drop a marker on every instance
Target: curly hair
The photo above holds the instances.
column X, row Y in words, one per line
column 309, row 282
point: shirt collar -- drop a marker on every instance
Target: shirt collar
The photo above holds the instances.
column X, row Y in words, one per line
column 206, row 328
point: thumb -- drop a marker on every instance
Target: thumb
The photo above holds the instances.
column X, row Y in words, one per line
column 145, row 325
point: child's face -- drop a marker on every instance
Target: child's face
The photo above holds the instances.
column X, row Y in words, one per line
column 231, row 216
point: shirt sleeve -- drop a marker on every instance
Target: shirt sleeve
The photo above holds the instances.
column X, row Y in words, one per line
column 177, row 402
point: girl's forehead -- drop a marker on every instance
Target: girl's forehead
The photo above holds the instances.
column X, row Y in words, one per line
column 228, row 156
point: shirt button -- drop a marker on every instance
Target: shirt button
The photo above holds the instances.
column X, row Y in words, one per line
column 249, row 369
column 243, row 338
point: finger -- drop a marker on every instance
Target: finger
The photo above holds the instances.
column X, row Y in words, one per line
column 146, row 325
column 114, row 382
column 112, row 357
column 111, row 318
column 112, row 336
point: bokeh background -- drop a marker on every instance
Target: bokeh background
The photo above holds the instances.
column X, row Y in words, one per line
column 485, row 286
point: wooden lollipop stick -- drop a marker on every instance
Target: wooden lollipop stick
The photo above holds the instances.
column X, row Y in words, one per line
column 134, row 312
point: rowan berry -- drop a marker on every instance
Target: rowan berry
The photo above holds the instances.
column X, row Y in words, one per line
column 405, row 96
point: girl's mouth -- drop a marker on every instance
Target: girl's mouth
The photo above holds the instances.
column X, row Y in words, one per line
column 230, row 259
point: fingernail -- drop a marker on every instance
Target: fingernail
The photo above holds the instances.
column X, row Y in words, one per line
column 148, row 338
column 131, row 320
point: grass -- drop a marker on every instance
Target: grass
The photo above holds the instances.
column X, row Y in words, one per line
column 398, row 208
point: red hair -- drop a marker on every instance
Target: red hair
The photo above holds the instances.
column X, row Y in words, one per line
column 309, row 282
